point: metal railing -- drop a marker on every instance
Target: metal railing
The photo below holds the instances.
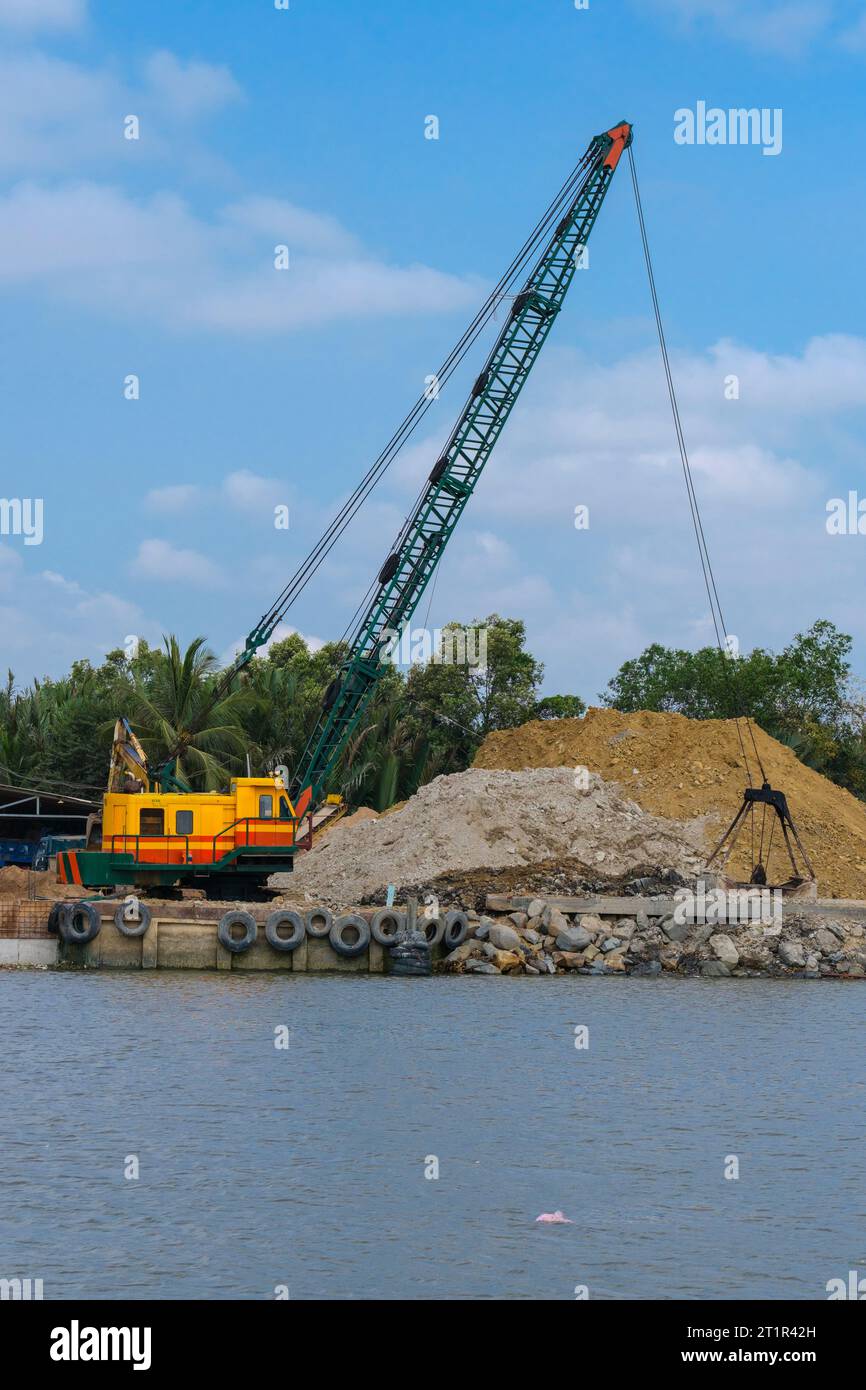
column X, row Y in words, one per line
column 284, row 832
column 273, row 822
column 151, row 840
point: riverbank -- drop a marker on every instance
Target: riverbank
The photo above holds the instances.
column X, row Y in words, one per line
column 626, row 934
column 768, row 937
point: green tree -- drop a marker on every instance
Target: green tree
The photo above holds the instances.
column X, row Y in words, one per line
column 178, row 715
column 800, row 696
column 560, row 707
column 466, row 701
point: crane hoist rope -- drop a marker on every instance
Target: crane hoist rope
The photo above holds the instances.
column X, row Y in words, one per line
column 769, row 799
column 716, row 614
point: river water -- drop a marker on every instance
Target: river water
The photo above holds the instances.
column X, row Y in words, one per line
column 266, row 1168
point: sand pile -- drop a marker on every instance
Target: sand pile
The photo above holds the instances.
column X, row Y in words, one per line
column 13, row 881
column 492, row 819
column 683, row 768
column 16, row 882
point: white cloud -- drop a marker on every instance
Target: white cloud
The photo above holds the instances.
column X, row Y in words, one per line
column 854, row 38
column 93, row 243
column 575, row 434
column 27, row 16
column 493, row 548
column 252, row 493
column 154, row 258
column 784, row 27
column 763, row 466
column 56, row 114
column 157, row 559
column 53, row 112
column 49, row 621
column 192, row 88
column 299, row 229
column 176, row 498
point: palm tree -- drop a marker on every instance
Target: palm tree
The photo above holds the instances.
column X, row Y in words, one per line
column 180, row 717
column 18, row 732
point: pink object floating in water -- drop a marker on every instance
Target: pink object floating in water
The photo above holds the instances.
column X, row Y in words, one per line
column 555, row 1218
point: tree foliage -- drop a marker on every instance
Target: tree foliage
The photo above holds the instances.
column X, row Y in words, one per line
column 802, row 695
column 421, row 722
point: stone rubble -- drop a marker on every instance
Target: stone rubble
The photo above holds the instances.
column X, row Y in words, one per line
column 546, row 941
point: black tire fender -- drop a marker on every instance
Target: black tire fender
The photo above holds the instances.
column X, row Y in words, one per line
column 79, row 923
column 54, row 916
column 456, row 929
column 387, row 925
column 237, row 919
column 433, row 929
column 132, row 929
column 284, row 918
column 319, row 921
column 337, row 937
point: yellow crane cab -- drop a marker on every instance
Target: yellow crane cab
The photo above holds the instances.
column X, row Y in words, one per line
column 221, row 841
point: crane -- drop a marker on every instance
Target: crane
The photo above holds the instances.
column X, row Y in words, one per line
column 408, row 568
column 158, row 833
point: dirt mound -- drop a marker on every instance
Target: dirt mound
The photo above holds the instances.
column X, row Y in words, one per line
column 16, row 882
column 13, row 881
column 682, row 768
column 492, row 820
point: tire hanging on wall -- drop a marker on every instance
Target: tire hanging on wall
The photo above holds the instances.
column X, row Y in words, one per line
column 79, row 923
column 456, row 929
column 236, row 919
column 319, row 921
column 283, row 918
column 387, row 925
column 433, row 929
column 337, row 937
column 132, row 929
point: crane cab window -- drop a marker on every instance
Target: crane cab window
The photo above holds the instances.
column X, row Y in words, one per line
column 285, row 813
column 183, row 823
column 266, row 808
column 152, row 821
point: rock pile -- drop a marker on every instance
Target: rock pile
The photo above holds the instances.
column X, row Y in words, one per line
column 493, row 820
column 545, row 941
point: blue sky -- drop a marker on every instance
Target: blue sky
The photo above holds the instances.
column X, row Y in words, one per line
column 305, row 127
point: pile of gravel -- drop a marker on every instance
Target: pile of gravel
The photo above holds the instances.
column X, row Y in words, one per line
column 492, row 819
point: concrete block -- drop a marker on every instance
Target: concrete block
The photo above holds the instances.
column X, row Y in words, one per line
column 186, row 945
column 150, row 946
column 116, row 951
column 322, row 956
column 37, row 952
column 9, row 950
column 261, row 956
